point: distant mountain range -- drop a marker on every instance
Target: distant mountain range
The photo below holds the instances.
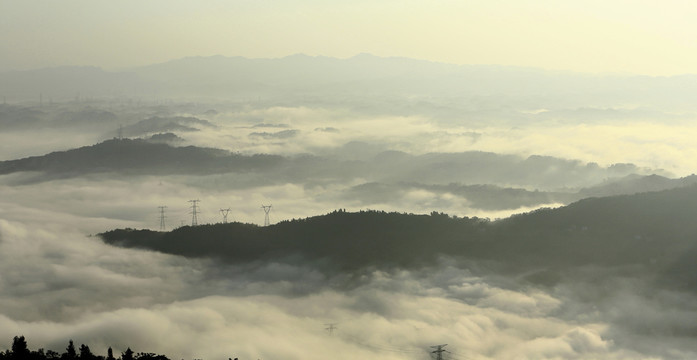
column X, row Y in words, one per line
column 654, row 232
column 301, row 77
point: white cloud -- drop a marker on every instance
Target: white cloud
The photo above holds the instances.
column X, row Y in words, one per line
column 60, row 286
column 56, row 283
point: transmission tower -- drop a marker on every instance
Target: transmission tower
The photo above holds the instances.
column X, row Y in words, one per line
column 439, row 351
column 330, row 328
column 194, row 212
column 224, row 212
column 267, row 209
column 162, row 217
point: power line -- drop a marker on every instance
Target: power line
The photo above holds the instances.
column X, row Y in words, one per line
column 384, row 348
column 458, row 356
column 194, row 212
column 162, row 217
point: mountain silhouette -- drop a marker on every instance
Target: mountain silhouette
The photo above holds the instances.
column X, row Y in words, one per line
column 474, row 176
column 129, row 156
column 363, row 76
column 655, row 231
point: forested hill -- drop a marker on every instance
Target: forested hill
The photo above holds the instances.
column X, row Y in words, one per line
column 138, row 156
column 657, row 230
column 484, row 180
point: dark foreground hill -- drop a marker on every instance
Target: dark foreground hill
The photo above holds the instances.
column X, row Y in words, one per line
column 655, row 231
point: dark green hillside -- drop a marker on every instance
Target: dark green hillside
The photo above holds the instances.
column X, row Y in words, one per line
column 655, row 230
column 642, row 228
column 344, row 240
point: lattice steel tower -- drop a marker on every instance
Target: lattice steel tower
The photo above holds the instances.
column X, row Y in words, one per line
column 194, row 212
column 267, row 209
column 162, row 217
column 330, row 328
column 439, row 351
column 224, row 212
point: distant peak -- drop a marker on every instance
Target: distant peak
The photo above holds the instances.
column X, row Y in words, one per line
column 297, row 56
column 301, row 56
column 364, row 56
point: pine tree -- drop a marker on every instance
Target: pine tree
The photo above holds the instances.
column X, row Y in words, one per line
column 127, row 355
column 70, row 353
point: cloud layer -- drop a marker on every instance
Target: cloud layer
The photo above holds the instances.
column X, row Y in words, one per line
column 60, row 286
column 56, row 283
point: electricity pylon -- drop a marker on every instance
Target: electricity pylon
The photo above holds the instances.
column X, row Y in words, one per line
column 224, row 212
column 267, row 209
column 439, row 351
column 194, row 212
column 162, row 217
column 330, row 327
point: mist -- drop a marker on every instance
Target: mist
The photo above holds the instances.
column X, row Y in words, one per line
column 74, row 287
column 472, row 146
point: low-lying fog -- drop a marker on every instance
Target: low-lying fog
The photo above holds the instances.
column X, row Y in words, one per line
column 59, row 283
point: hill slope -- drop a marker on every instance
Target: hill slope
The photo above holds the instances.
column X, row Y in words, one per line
column 137, row 156
column 655, row 231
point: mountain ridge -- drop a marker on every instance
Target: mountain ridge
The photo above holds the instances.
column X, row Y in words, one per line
column 654, row 231
column 382, row 176
column 360, row 75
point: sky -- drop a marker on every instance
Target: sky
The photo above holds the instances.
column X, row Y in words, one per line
column 620, row 36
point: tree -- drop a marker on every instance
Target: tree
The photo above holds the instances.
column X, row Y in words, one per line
column 127, row 355
column 110, row 354
column 39, row 354
column 85, row 353
column 70, row 353
column 19, row 348
column 150, row 356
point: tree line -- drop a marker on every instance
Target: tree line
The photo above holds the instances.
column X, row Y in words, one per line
column 20, row 351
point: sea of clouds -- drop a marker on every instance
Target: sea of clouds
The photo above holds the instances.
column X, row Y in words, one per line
column 58, row 282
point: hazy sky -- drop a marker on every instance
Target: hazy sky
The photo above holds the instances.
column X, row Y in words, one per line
column 634, row 36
